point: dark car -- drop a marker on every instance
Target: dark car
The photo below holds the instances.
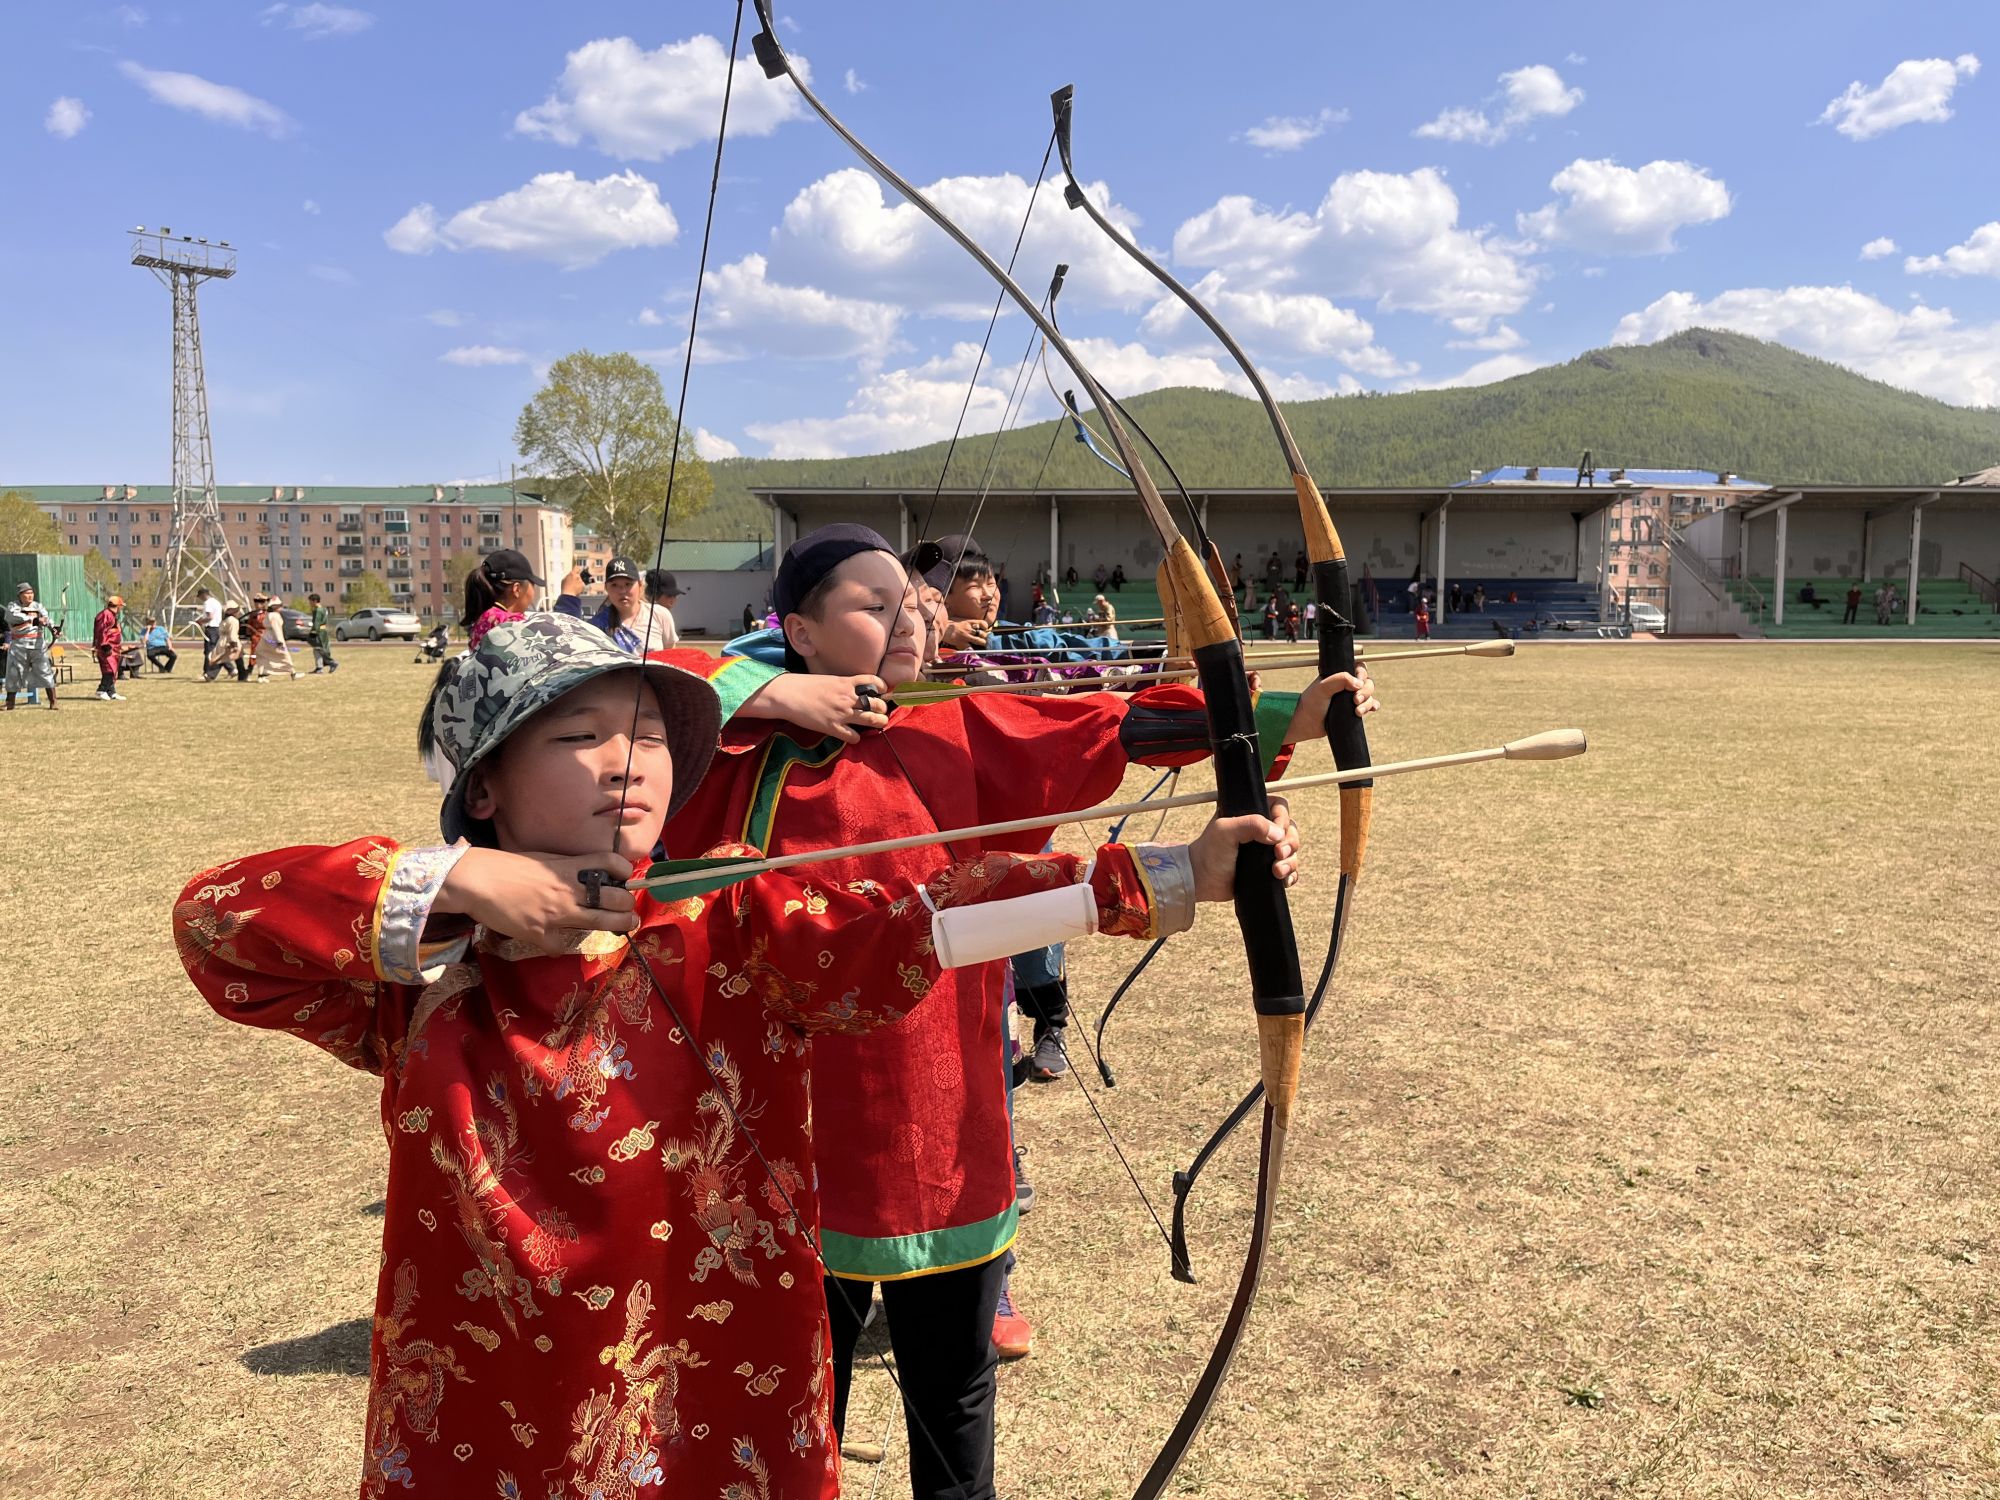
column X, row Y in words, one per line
column 298, row 624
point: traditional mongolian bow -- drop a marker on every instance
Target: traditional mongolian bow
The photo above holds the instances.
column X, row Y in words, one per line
column 1277, row 994
column 1336, row 635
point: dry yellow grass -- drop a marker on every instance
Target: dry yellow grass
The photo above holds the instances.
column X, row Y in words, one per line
column 1646, row 1147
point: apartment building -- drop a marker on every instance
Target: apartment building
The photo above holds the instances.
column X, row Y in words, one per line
column 292, row 540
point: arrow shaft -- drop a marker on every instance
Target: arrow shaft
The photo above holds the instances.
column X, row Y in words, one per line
column 1542, row 747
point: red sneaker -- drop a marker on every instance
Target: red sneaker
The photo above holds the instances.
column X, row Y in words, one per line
column 1011, row 1333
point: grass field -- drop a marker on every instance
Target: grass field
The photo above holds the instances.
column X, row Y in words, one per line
column 1647, row 1146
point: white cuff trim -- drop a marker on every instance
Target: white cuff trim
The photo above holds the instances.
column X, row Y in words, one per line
column 413, row 885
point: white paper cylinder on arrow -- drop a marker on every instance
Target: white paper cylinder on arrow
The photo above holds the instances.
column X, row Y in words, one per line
column 986, row 930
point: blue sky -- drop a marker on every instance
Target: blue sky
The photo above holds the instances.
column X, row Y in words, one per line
column 432, row 202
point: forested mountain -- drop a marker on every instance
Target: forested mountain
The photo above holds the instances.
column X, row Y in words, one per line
column 1701, row 399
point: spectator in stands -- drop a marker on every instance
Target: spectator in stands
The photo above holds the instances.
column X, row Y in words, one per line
column 1423, row 618
column 1236, row 577
column 1457, row 599
column 1853, row 602
column 1895, row 604
column 1884, row 602
column 1513, row 596
column 1069, row 575
column 159, row 650
column 1100, row 575
column 1808, row 595
column 1117, row 579
column 1479, row 597
column 1299, row 572
column 1274, row 571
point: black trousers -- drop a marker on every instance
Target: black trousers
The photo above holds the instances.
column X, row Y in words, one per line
column 171, row 656
column 1044, row 1004
column 1848, row 618
column 941, row 1329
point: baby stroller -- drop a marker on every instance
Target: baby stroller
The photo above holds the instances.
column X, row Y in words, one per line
column 434, row 645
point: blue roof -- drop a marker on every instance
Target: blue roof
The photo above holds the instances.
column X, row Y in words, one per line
column 1660, row 479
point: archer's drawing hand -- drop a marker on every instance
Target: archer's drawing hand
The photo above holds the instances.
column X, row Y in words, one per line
column 537, row 897
column 828, row 705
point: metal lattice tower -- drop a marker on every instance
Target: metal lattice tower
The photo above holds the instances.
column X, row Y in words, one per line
column 197, row 547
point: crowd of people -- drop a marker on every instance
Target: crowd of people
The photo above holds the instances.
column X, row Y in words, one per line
column 657, row 1160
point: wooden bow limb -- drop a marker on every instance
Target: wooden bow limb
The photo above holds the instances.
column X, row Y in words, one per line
column 684, row 877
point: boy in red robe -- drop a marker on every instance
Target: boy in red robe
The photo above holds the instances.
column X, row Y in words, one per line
column 916, row 1166
column 599, row 1271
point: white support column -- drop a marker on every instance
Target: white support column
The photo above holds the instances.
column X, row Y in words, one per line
column 903, row 524
column 1440, row 568
column 1916, row 555
column 1778, row 583
column 1055, row 552
column 1867, row 544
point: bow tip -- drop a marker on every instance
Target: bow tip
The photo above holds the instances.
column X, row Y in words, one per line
column 1280, row 1050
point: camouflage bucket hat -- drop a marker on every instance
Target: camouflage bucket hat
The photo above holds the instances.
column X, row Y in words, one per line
column 523, row 666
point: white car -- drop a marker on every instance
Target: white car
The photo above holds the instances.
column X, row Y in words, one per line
column 375, row 624
column 1644, row 616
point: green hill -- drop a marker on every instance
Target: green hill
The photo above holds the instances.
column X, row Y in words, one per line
column 1701, row 399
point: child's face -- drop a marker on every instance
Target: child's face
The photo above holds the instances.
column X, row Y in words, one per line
column 975, row 598
column 556, row 785
column 868, row 621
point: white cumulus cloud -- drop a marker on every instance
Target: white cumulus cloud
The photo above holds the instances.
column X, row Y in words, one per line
column 1498, row 341
column 1978, row 256
column 906, row 408
column 746, row 315
column 66, row 117
column 1925, row 349
column 223, row 103
column 1393, row 237
column 1526, row 95
column 711, row 445
column 1485, row 372
column 555, row 216
column 851, row 81
column 1289, row 324
column 638, row 105
column 842, row 234
column 1877, row 248
column 474, row 356
column 1630, row 209
column 1917, row 92
column 1289, row 132
column 317, row 22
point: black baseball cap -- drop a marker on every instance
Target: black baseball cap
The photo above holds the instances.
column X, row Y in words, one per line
column 509, row 566
column 621, row 567
column 661, row 584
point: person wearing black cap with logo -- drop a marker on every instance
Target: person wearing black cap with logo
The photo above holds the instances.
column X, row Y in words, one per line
column 622, row 615
column 504, row 586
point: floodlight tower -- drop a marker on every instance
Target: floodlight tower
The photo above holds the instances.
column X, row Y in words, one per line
column 197, row 547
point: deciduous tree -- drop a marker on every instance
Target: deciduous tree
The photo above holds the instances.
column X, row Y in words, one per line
column 601, row 429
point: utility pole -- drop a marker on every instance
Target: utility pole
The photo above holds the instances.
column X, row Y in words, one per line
column 197, row 547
